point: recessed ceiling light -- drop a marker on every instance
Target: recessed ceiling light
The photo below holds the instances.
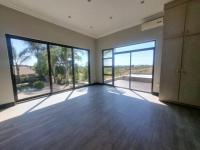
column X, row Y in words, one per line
column 69, row 17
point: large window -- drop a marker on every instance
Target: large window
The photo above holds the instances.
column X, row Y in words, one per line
column 133, row 66
column 40, row 68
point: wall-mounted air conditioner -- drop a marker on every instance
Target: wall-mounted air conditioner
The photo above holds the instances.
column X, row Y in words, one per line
column 152, row 24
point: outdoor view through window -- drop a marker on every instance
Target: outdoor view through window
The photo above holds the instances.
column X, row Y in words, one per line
column 133, row 66
column 31, row 68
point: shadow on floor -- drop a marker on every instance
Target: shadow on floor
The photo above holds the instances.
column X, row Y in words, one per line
column 103, row 118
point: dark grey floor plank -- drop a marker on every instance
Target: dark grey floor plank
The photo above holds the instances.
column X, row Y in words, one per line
column 104, row 119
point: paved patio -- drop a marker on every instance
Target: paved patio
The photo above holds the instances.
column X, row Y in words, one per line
column 140, row 86
column 139, row 82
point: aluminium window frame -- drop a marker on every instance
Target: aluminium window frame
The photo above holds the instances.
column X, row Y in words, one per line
column 10, row 54
column 112, row 66
column 131, row 51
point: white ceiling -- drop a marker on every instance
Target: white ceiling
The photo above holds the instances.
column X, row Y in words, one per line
column 89, row 18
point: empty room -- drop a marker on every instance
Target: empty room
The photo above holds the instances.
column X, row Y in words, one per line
column 100, row 75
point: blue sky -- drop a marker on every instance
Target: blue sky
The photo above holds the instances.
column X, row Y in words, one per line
column 138, row 58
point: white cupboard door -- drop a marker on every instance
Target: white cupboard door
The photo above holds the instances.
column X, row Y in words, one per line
column 174, row 21
column 193, row 17
column 171, row 64
column 190, row 76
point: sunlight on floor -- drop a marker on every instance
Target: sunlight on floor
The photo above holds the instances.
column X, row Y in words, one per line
column 79, row 92
column 40, row 103
column 44, row 102
column 135, row 94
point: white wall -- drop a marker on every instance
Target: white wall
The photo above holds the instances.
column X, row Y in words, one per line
column 14, row 22
column 127, row 37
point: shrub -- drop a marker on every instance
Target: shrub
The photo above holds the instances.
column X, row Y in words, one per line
column 23, row 79
column 59, row 78
column 38, row 84
column 60, row 70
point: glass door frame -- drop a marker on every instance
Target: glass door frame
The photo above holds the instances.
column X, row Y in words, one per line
column 73, row 66
column 152, row 80
column 13, row 78
column 118, row 53
column 130, row 51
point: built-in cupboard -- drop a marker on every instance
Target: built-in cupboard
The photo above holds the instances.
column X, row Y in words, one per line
column 180, row 75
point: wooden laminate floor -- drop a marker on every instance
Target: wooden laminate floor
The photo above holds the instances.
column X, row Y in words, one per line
column 99, row 118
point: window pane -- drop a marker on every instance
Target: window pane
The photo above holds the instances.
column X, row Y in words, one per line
column 108, row 70
column 108, row 79
column 61, row 67
column 122, row 70
column 142, row 62
column 141, row 70
column 107, row 54
column 136, row 47
column 31, row 68
column 81, row 71
column 107, row 62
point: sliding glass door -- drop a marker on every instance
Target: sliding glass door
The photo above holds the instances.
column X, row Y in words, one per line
column 61, row 68
column 122, row 69
column 39, row 68
column 130, row 66
column 30, row 68
column 81, row 67
column 141, row 70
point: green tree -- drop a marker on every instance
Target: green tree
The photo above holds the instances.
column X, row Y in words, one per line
column 40, row 52
column 62, row 56
column 18, row 59
column 41, row 67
